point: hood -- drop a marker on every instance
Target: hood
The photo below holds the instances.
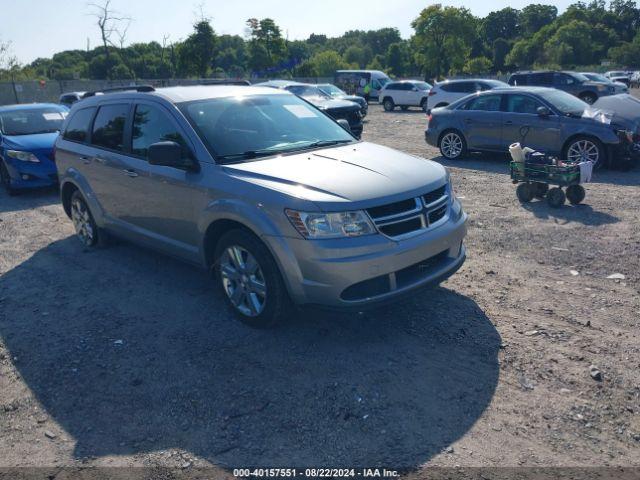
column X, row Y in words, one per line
column 32, row 143
column 364, row 173
column 624, row 110
column 330, row 103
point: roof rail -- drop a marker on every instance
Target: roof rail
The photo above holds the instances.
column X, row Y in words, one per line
column 224, row 81
column 134, row 88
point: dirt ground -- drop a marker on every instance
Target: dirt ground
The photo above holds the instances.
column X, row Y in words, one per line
column 121, row 356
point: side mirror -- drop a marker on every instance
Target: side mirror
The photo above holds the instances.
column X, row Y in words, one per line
column 169, row 154
column 543, row 111
column 415, row 89
column 344, row 124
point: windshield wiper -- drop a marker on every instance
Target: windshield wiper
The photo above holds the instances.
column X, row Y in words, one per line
column 250, row 154
column 326, row 143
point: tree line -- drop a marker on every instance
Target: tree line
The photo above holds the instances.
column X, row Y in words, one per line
column 445, row 41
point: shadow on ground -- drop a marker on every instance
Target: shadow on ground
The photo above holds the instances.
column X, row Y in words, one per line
column 129, row 352
column 583, row 213
column 28, row 199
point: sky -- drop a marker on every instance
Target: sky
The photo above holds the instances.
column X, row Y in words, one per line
column 40, row 28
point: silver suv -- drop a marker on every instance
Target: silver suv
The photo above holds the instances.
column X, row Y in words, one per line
column 276, row 198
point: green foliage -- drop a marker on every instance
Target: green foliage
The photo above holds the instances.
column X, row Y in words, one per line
column 478, row 65
column 323, row 64
column 195, row 54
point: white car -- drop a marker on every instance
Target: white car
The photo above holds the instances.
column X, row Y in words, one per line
column 444, row 93
column 405, row 94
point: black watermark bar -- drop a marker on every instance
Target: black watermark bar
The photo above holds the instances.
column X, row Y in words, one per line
column 215, row 473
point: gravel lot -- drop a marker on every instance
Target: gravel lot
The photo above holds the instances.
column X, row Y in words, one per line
column 121, row 356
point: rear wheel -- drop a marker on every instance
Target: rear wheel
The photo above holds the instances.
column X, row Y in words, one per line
column 250, row 280
column 453, row 145
column 83, row 222
column 575, row 194
column 525, row 192
column 5, row 179
column 555, row 197
column 423, row 105
column 388, row 104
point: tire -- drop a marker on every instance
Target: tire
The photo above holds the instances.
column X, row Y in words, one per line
column 5, row 180
column 525, row 192
column 86, row 229
column 423, row 105
column 452, row 145
column 583, row 148
column 575, row 194
column 588, row 97
column 540, row 189
column 404, row 108
column 388, row 104
column 555, row 197
column 244, row 264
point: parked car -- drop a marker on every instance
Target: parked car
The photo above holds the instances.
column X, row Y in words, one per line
column 260, row 187
column 405, row 94
column 570, row 82
column 634, row 80
column 625, row 112
column 335, row 92
column 619, row 76
column 69, row 98
column 338, row 109
column 27, row 135
column 447, row 92
column 545, row 119
column 596, row 77
column 354, row 81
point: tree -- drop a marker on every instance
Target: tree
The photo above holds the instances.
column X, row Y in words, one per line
column 397, row 59
column 196, row 53
column 108, row 21
column 535, row 16
column 443, row 37
column 267, row 48
column 500, row 50
column 501, row 24
column 324, row 64
column 356, row 54
column 477, row 66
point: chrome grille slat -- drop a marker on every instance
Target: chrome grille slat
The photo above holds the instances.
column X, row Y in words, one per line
column 428, row 209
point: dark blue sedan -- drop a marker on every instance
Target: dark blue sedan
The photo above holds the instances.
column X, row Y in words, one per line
column 27, row 135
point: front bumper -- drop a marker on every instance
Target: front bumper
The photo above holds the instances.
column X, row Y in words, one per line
column 24, row 175
column 365, row 271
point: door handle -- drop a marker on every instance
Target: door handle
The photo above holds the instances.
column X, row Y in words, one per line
column 130, row 173
column 85, row 160
column 509, row 122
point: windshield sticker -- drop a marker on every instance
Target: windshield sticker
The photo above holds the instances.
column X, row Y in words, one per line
column 52, row 116
column 301, row 111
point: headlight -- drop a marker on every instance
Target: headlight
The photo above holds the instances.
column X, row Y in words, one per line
column 23, row 156
column 331, row 225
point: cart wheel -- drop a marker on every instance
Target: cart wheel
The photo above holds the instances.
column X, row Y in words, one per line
column 541, row 189
column 525, row 192
column 575, row 194
column 555, row 197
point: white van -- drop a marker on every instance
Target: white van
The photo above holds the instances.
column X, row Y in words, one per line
column 353, row 81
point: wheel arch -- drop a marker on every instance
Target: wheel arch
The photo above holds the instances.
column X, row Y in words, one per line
column 573, row 137
column 66, row 192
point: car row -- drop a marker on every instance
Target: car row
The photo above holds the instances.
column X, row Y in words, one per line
column 280, row 202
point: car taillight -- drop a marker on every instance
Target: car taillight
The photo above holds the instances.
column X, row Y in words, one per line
column 432, row 93
column 429, row 117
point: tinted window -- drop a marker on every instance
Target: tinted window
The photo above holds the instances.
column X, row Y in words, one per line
column 460, row 87
column 563, row 79
column 108, row 127
column 544, row 78
column 522, row 104
column 393, row 86
column 518, row 80
column 487, row 103
column 78, row 126
column 150, row 125
column 406, row 87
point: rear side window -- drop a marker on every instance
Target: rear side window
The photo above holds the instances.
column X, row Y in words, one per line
column 486, row 103
column 151, row 125
column 518, row 80
column 78, row 127
column 460, row 87
column 108, row 127
column 393, row 86
column 543, row 78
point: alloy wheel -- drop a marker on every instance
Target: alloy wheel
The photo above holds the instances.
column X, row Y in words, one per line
column 243, row 281
column 451, row 145
column 583, row 151
column 81, row 219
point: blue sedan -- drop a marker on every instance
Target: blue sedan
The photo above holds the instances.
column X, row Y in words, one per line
column 27, row 135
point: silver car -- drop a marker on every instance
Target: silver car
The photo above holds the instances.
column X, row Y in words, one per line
column 276, row 198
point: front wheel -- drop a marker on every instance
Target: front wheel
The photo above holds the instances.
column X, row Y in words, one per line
column 555, row 197
column 586, row 149
column 589, row 98
column 453, row 145
column 575, row 194
column 388, row 105
column 250, row 280
column 525, row 192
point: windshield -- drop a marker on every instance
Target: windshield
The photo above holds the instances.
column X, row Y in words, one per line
column 331, row 90
column 32, row 121
column 564, row 102
column 244, row 127
column 617, row 74
column 596, row 77
column 306, row 91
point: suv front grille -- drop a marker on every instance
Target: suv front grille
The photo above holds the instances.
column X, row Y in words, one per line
column 411, row 216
